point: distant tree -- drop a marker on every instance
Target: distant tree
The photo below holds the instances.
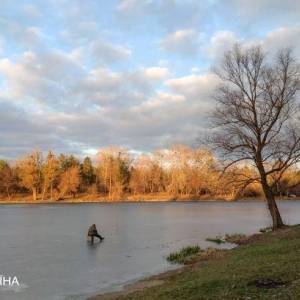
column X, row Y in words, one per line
column 114, row 170
column 158, row 172
column 87, row 172
column 67, row 161
column 255, row 115
column 178, row 158
column 145, row 176
column 50, row 174
column 7, row 178
column 69, row 182
column 203, row 172
column 30, row 172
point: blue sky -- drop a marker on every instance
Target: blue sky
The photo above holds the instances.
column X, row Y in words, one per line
column 76, row 76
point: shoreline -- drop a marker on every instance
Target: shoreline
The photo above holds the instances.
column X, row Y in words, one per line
column 82, row 200
column 168, row 285
column 149, row 281
column 138, row 284
column 98, row 198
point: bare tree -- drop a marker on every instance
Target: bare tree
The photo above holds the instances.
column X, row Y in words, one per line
column 255, row 115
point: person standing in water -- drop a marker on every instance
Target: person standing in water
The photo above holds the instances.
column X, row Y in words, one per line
column 94, row 233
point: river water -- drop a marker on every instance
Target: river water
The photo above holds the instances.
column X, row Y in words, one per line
column 45, row 246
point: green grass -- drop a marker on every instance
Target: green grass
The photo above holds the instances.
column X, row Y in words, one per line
column 269, row 257
column 184, row 255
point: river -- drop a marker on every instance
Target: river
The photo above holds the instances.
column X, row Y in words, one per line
column 45, row 246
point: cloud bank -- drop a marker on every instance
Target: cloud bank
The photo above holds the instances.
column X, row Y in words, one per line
column 77, row 76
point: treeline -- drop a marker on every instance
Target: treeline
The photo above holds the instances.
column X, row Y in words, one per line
column 116, row 174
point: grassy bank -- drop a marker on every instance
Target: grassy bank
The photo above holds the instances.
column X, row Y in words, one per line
column 264, row 266
column 90, row 198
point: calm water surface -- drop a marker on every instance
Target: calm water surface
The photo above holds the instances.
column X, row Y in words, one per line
column 45, row 245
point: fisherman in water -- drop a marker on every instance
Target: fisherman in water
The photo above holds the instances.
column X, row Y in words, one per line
column 94, row 233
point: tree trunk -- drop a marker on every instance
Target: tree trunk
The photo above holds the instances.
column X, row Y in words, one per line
column 8, row 193
column 34, row 194
column 110, row 186
column 51, row 191
column 44, row 192
column 269, row 195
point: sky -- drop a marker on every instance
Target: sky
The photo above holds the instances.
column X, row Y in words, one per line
column 76, row 76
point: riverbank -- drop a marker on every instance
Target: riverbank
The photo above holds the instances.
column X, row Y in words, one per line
column 161, row 197
column 90, row 198
column 263, row 266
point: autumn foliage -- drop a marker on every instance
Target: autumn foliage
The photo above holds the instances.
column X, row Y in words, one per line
column 115, row 173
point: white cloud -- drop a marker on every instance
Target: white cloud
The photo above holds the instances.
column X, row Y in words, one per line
column 31, row 11
column 100, row 106
column 104, row 78
column 127, row 5
column 160, row 99
column 32, row 35
column 144, row 79
column 171, row 14
column 283, row 37
column 221, row 42
column 26, row 36
column 251, row 10
column 81, row 98
column 157, row 73
column 195, row 70
column 40, row 79
column 185, row 41
column 97, row 106
column 106, row 52
column 194, row 87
